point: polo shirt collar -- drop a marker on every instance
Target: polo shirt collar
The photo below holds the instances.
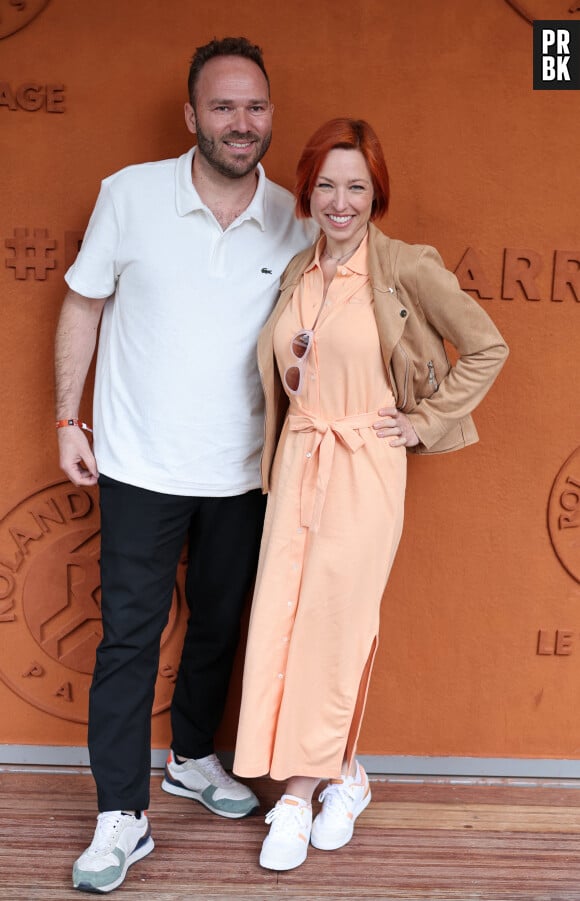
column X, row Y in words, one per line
column 187, row 199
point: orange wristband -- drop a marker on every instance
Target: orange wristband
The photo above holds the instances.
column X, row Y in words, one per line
column 62, row 423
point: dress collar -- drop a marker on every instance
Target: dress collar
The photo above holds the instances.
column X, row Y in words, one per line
column 358, row 263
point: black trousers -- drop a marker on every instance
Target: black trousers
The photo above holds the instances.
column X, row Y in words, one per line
column 142, row 537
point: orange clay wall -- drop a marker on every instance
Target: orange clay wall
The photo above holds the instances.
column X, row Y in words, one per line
column 480, row 643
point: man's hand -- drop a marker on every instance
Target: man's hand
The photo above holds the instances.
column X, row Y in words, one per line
column 77, row 460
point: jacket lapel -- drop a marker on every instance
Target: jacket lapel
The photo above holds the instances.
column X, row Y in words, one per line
column 390, row 313
column 290, row 278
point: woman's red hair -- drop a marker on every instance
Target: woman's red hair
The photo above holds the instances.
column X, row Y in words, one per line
column 347, row 134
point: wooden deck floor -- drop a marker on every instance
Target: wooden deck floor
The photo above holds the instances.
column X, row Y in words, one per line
column 419, row 839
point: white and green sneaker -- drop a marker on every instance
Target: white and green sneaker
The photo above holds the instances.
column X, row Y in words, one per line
column 120, row 840
column 205, row 780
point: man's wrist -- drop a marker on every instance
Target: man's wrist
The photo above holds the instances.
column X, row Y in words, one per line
column 65, row 423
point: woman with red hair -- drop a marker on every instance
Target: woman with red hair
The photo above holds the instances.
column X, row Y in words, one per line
column 355, row 373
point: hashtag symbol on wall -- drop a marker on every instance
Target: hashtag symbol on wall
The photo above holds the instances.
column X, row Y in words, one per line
column 30, row 253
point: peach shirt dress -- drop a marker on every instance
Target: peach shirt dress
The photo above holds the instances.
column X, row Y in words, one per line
column 332, row 527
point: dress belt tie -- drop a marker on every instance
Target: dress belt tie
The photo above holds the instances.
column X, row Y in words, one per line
column 317, row 472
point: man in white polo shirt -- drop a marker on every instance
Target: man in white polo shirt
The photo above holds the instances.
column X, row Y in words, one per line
column 180, row 266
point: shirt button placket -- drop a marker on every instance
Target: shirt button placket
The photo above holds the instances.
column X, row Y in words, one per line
column 296, row 554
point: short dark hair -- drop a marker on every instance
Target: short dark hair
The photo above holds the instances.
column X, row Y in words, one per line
column 224, row 47
column 348, row 134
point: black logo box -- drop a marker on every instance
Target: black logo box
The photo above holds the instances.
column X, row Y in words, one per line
column 546, row 73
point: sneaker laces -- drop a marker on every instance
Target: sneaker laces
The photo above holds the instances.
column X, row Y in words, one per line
column 107, row 832
column 285, row 819
column 211, row 767
column 335, row 795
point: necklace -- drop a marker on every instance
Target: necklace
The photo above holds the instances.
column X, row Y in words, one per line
column 345, row 256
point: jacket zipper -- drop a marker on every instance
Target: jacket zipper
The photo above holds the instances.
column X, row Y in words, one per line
column 402, row 402
column 432, row 377
column 260, row 373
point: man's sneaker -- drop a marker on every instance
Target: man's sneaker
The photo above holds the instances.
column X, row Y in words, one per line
column 342, row 801
column 120, row 839
column 286, row 845
column 206, row 780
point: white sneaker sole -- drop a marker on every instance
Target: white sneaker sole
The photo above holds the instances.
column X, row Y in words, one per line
column 145, row 849
column 333, row 844
column 270, row 862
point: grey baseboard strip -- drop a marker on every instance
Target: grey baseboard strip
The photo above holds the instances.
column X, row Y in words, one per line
column 378, row 765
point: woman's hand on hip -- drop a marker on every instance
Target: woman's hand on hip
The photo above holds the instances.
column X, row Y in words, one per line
column 396, row 426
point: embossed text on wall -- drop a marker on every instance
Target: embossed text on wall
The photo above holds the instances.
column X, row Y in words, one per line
column 33, row 252
column 521, row 271
column 32, row 96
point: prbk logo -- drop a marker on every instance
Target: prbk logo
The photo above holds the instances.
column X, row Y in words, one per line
column 556, row 55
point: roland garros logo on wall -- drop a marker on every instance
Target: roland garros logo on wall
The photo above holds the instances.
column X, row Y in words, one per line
column 50, row 618
column 532, row 10
column 564, row 515
column 16, row 14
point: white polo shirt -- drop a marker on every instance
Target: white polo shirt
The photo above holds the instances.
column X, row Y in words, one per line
column 178, row 404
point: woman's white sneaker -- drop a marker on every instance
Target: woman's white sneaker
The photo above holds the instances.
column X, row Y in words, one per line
column 120, row 839
column 342, row 802
column 286, row 845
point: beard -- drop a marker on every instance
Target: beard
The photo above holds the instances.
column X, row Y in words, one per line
column 223, row 162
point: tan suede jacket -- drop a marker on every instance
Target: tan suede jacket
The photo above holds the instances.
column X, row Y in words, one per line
column 417, row 303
